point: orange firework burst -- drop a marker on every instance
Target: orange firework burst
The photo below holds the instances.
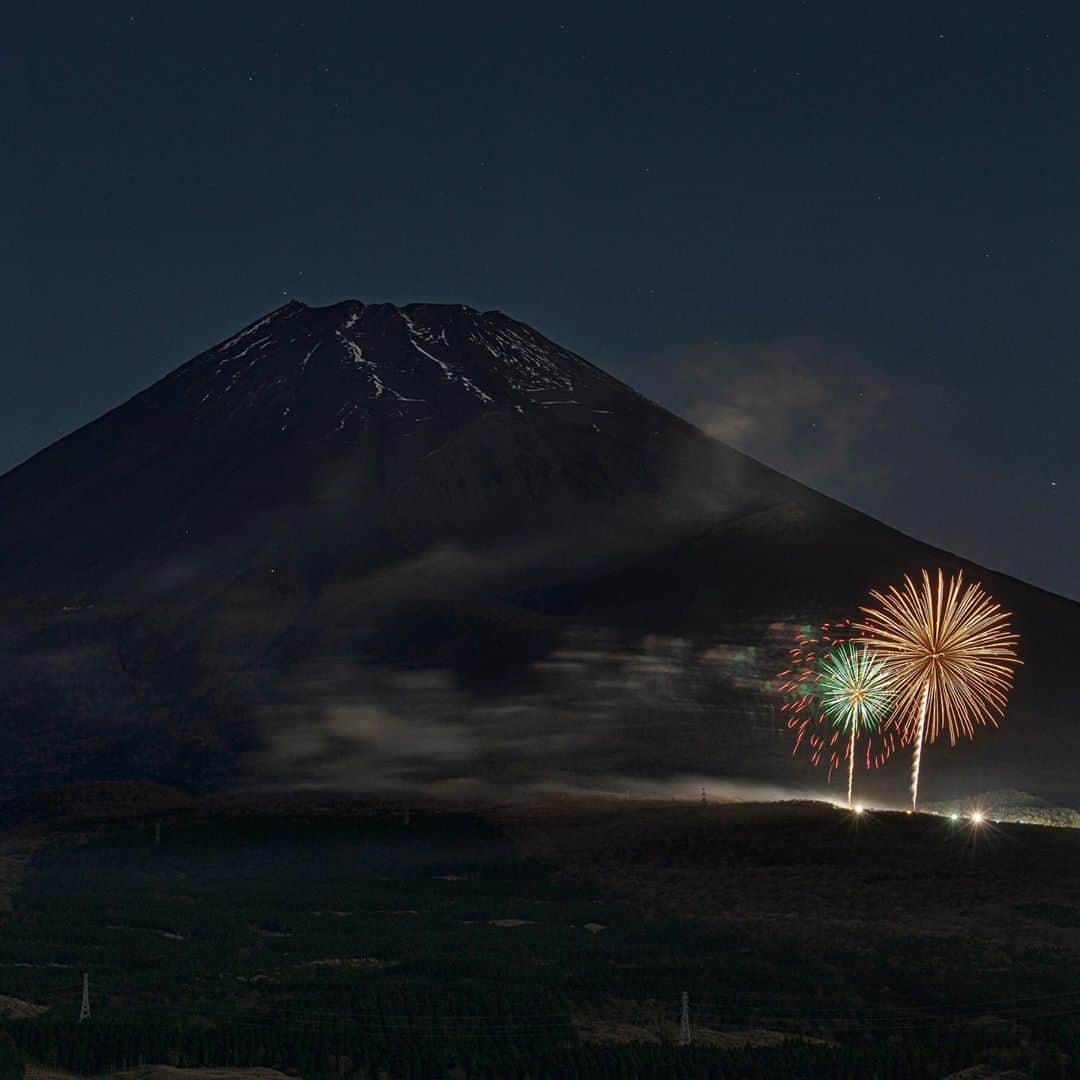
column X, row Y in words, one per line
column 807, row 716
column 950, row 655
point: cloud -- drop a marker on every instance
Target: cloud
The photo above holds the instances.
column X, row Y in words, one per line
column 342, row 726
column 802, row 405
column 592, row 711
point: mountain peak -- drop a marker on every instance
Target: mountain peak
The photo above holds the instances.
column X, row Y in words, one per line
column 379, row 357
column 351, row 404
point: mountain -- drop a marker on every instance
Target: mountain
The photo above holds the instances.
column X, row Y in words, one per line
column 371, row 546
column 1019, row 807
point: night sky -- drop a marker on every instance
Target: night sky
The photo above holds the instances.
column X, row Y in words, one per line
column 843, row 237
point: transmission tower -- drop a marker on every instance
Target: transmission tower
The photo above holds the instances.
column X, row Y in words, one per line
column 684, row 1021
column 84, row 1012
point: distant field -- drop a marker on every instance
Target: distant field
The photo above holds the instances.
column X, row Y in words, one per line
column 818, row 873
column 546, row 941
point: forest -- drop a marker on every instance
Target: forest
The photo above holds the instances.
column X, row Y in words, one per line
column 423, row 945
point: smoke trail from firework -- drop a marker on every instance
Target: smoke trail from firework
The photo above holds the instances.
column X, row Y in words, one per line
column 950, row 656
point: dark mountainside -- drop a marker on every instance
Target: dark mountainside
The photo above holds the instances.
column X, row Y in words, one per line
column 370, row 547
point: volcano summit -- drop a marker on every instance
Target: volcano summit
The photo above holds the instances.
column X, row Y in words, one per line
column 371, row 546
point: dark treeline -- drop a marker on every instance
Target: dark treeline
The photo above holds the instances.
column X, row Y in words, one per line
column 423, row 948
column 315, row 1053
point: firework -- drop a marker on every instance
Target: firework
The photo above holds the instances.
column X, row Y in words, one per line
column 855, row 695
column 949, row 654
column 802, row 683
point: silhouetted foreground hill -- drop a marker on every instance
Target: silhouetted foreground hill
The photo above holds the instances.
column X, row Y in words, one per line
column 326, row 937
column 368, row 547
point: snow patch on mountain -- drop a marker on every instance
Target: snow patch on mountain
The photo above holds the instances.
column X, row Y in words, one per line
column 260, row 344
column 310, row 353
column 288, row 310
column 449, row 373
column 354, row 352
column 524, row 365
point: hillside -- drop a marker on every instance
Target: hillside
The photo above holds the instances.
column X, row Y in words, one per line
column 373, row 547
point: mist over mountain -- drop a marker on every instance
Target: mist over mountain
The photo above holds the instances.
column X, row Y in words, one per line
column 374, row 547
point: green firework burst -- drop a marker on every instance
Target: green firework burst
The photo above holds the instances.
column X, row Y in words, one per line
column 854, row 688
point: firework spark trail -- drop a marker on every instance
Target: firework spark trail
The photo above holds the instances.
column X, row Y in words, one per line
column 920, row 731
column 799, row 683
column 950, row 655
column 851, row 764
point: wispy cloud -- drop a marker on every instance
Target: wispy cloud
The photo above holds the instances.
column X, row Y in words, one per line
column 593, row 710
column 801, row 405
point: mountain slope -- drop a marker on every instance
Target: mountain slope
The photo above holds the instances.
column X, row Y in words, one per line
column 367, row 545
